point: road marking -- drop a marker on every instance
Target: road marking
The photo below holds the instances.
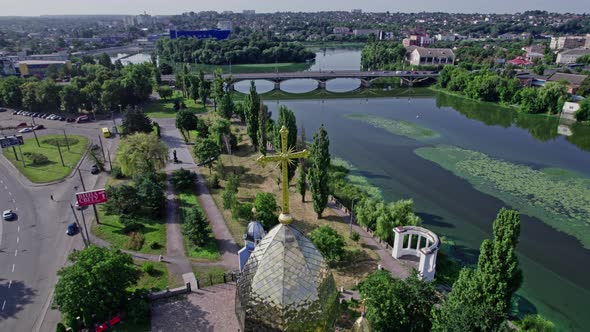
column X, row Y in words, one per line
column 18, row 228
column 10, row 193
column 15, row 252
column 17, row 239
column 12, row 267
column 9, row 283
column 6, row 187
column 3, row 304
column 15, row 209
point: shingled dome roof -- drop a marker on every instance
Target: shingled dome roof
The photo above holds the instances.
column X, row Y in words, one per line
column 286, row 285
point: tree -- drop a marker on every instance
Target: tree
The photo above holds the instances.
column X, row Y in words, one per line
column 110, row 97
column 366, row 212
column 529, row 100
column 480, row 299
column 141, row 152
column 151, row 194
column 91, row 95
column 183, row 179
column 266, row 210
column 286, row 118
column 398, row 305
column 226, row 106
column 186, row 121
column 217, row 89
column 29, row 93
column 123, row 200
column 166, row 69
column 536, row 323
column 583, row 90
column 329, row 242
column 10, row 91
column 230, row 192
column 105, row 61
column 203, row 88
column 252, row 109
column 583, row 114
column 165, row 92
column 70, row 98
column 206, row 150
column 218, row 130
column 394, row 214
column 94, row 284
column 193, row 88
column 136, row 121
column 552, row 96
column 318, row 172
column 263, row 118
column 302, row 182
column 196, row 226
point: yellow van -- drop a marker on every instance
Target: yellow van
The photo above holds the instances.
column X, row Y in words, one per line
column 106, row 132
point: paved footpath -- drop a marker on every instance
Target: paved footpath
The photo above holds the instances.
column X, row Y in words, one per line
column 397, row 269
column 225, row 242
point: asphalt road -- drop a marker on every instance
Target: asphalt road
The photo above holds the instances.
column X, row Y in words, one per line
column 34, row 246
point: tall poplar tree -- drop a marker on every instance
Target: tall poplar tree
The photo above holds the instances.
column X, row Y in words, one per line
column 318, row 172
column 301, row 182
column 263, row 128
column 286, row 118
column 252, row 108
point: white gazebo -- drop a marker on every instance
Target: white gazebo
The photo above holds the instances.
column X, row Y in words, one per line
column 426, row 248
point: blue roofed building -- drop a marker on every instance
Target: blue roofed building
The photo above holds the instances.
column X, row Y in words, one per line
column 200, row 34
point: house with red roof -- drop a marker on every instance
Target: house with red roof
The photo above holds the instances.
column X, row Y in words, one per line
column 519, row 61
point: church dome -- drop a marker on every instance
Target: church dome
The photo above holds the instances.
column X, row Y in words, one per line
column 286, row 285
column 254, row 232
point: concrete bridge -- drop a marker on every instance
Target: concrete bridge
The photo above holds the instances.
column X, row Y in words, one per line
column 408, row 78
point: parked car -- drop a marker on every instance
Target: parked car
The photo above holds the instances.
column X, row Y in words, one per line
column 72, row 229
column 14, row 112
column 78, row 207
column 94, row 169
column 8, row 215
column 82, row 118
column 70, row 119
column 3, row 110
column 22, row 124
column 39, row 127
column 61, row 118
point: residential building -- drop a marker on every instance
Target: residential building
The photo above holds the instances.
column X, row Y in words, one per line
column 519, row 61
column 417, row 40
column 225, row 25
column 587, row 45
column 421, row 56
column 569, row 110
column 570, row 56
column 366, row 32
column 441, row 37
column 573, row 80
column 568, row 42
column 513, row 36
column 356, row 11
column 38, row 68
column 248, row 11
column 341, row 30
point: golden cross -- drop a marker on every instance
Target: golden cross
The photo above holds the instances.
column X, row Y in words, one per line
column 285, row 158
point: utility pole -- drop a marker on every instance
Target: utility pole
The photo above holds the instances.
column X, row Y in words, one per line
column 102, row 148
column 60, row 156
column 110, row 162
column 80, row 228
column 84, row 223
column 22, row 156
column 81, row 179
column 36, row 139
column 66, row 137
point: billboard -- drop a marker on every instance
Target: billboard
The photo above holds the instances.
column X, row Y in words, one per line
column 9, row 141
column 200, row 34
column 91, row 197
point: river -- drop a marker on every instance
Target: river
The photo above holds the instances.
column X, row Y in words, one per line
column 555, row 264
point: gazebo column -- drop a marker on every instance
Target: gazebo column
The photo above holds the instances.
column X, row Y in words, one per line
column 398, row 243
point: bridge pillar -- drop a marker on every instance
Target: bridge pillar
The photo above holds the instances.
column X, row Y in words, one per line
column 322, row 84
column 277, row 85
column 231, row 87
column 365, row 83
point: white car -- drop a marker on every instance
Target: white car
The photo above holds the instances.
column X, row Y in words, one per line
column 8, row 215
column 25, row 130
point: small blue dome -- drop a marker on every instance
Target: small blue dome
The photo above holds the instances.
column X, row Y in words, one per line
column 254, row 232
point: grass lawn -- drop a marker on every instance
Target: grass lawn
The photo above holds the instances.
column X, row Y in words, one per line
column 207, row 252
column 164, row 108
column 209, row 275
column 110, row 229
column 158, row 280
column 257, row 178
column 52, row 170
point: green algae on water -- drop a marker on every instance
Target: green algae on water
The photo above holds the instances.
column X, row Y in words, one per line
column 397, row 127
column 558, row 197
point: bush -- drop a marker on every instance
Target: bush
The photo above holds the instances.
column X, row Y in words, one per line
column 183, row 179
column 220, row 170
column 355, row 236
column 329, row 242
column 228, row 198
column 266, row 210
column 213, row 182
column 196, row 226
column 536, row 323
column 155, row 245
column 60, row 328
column 135, row 241
column 138, row 307
column 148, row 268
column 37, row 158
column 116, row 173
column 242, row 212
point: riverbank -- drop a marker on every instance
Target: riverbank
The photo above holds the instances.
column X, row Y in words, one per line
column 282, row 67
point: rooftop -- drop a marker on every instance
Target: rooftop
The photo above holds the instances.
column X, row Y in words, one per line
column 577, row 51
column 573, row 79
column 436, row 52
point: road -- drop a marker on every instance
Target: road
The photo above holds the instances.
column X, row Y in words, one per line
column 34, row 246
column 318, row 75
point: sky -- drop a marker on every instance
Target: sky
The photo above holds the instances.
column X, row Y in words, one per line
column 161, row 7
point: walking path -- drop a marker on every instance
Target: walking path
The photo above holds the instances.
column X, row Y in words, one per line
column 397, row 269
column 174, row 240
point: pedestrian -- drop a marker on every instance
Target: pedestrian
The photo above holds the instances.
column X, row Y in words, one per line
column 161, row 258
column 52, row 197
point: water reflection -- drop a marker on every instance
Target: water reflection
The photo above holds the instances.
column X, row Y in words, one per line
column 299, row 85
column 343, row 84
column 262, row 86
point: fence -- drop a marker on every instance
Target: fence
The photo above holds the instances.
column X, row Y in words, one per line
column 219, row 278
column 170, row 292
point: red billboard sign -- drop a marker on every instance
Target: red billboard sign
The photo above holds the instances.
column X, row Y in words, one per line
column 91, row 197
